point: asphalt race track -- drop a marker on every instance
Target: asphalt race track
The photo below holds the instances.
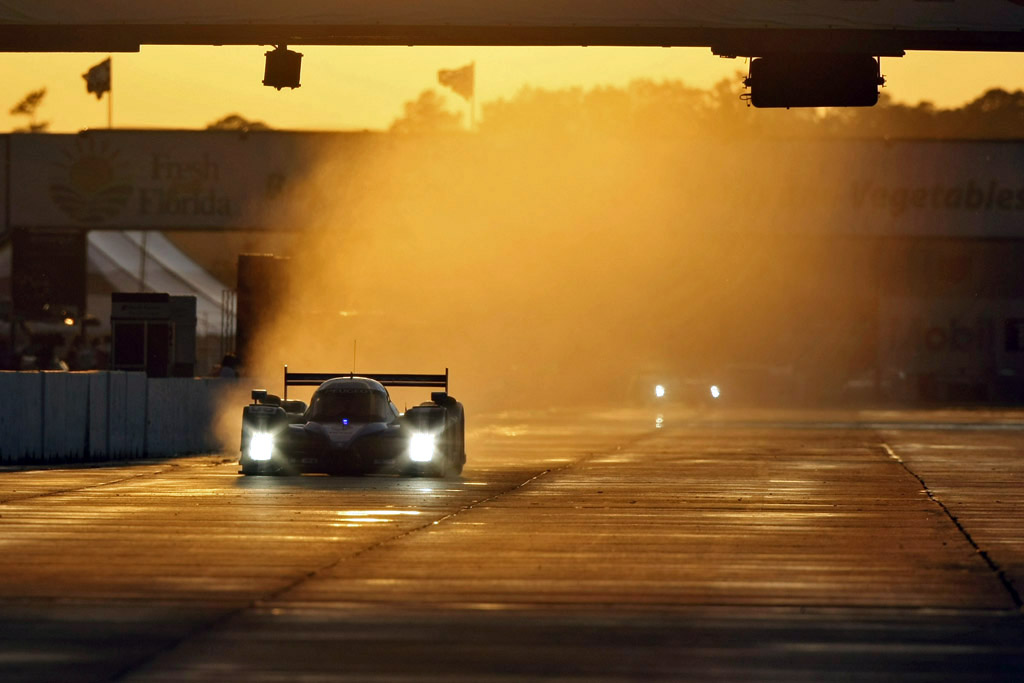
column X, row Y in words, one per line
column 754, row 546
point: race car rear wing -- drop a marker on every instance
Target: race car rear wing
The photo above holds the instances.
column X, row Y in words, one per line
column 315, row 379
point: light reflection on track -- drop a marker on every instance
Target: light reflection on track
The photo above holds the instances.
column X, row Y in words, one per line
column 587, row 546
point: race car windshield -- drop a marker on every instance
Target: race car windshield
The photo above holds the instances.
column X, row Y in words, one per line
column 330, row 406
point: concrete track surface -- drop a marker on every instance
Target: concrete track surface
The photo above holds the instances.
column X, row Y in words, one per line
column 754, row 546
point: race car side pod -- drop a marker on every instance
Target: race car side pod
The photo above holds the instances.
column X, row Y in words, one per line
column 315, row 379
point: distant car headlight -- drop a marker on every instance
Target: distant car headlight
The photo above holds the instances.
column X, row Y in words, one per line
column 422, row 447
column 715, row 391
column 261, row 446
column 659, row 391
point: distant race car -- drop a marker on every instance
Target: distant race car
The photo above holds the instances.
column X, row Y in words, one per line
column 657, row 388
column 351, row 426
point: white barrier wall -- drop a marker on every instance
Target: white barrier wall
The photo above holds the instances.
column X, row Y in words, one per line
column 127, row 401
column 21, row 416
column 66, row 417
column 172, row 403
column 65, row 408
column 99, row 410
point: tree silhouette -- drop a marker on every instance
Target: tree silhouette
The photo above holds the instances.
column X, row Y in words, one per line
column 28, row 106
column 427, row 114
column 673, row 109
column 237, row 122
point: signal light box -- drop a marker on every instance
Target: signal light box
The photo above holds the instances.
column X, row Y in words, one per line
column 814, row 80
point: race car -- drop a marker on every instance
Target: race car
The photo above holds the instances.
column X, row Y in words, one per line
column 351, row 426
column 656, row 388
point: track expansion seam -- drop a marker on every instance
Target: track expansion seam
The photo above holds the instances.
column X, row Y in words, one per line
column 308, row 576
column 59, row 492
column 992, row 564
column 444, row 518
column 164, row 470
column 273, row 595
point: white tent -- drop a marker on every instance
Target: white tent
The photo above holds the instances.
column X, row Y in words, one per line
column 115, row 263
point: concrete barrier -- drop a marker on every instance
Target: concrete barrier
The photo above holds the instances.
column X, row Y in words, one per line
column 126, row 414
column 50, row 417
column 65, row 408
column 137, row 397
column 217, row 394
column 205, row 400
column 118, row 406
column 171, row 416
column 99, row 414
column 21, row 416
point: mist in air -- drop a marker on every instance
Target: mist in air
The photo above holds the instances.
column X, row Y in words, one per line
column 543, row 268
column 582, row 242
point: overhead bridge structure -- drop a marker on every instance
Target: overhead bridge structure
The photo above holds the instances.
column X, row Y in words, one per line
column 729, row 27
column 807, row 52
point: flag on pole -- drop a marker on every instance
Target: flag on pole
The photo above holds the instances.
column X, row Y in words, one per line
column 97, row 79
column 460, row 80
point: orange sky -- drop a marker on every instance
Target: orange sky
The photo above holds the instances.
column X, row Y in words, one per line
column 365, row 87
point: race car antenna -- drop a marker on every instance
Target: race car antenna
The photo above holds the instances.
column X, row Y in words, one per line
column 353, row 373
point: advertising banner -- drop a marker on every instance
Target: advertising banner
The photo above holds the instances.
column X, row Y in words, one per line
column 203, row 180
column 952, row 338
column 908, row 188
column 158, row 179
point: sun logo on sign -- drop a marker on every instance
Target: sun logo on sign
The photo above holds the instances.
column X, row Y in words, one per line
column 91, row 187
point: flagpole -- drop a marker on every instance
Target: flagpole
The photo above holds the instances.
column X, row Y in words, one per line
column 110, row 96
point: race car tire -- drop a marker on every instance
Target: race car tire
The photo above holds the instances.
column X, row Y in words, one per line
column 460, row 444
column 285, row 471
column 248, row 467
column 453, row 445
column 436, row 470
column 455, row 459
column 346, row 472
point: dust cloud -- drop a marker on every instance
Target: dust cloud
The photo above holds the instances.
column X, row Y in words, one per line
column 550, row 269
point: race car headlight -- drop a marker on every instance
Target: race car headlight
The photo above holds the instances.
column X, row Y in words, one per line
column 261, row 446
column 422, row 447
